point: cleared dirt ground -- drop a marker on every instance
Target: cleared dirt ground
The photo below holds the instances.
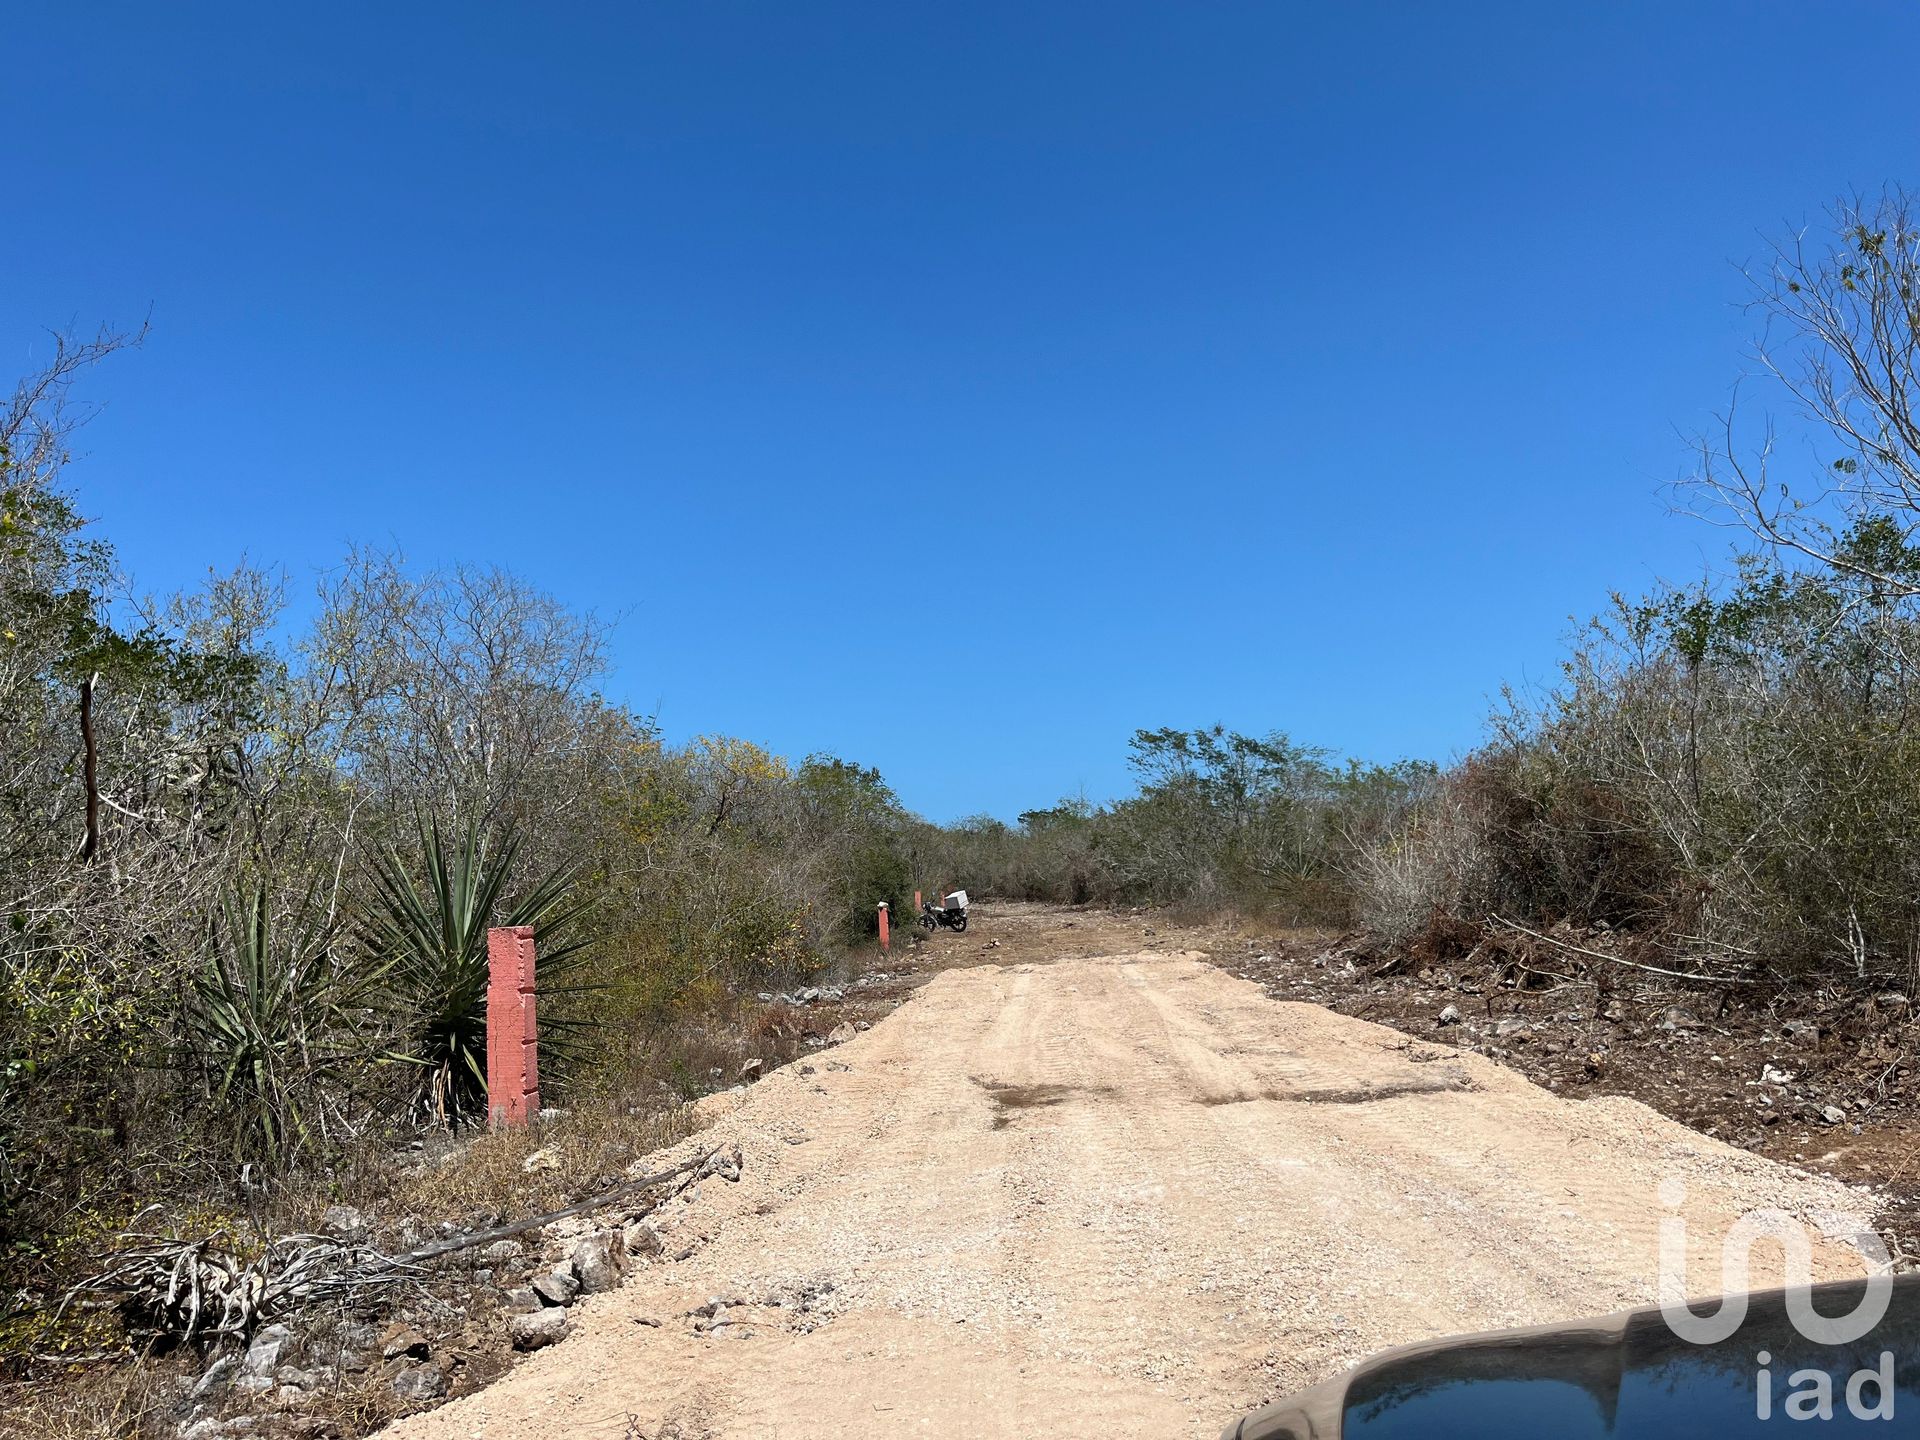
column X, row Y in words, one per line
column 1116, row 1195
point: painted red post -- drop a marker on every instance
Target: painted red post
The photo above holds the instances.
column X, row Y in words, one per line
column 916, row 902
column 883, row 925
column 513, row 1036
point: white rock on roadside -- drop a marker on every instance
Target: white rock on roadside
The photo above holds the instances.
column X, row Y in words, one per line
column 597, row 1262
column 534, row 1332
column 263, row 1355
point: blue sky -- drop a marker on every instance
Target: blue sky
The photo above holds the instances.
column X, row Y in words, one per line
column 954, row 388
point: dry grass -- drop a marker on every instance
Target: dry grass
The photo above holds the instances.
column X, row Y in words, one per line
column 358, row 1409
column 119, row 1402
column 588, row 1148
column 641, row 1105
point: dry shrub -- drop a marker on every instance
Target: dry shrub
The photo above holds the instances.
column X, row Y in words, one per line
column 1445, row 938
column 1436, row 863
column 776, row 1028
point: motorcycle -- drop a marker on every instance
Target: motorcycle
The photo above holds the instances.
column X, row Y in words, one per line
column 951, row 913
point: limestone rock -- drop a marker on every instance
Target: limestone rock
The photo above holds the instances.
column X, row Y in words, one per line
column 535, row 1331
column 417, row 1383
column 597, row 1262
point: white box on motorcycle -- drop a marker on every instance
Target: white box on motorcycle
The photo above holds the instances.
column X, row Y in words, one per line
column 957, row 900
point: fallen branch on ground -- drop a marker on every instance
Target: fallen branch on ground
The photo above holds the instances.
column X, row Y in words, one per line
column 205, row 1289
column 1617, row 960
column 703, row 1164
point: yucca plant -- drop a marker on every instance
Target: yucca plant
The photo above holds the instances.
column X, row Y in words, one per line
column 272, row 1017
column 431, row 939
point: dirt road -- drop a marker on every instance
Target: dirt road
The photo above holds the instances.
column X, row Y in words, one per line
column 1113, row 1196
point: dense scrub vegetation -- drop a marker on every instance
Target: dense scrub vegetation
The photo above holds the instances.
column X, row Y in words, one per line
column 1221, row 820
column 1728, row 772
column 247, row 865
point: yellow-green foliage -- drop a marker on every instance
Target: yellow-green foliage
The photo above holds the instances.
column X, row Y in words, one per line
column 87, row 1235
column 745, row 872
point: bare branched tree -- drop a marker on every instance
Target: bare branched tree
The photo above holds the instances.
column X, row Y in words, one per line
column 459, row 691
column 1841, row 339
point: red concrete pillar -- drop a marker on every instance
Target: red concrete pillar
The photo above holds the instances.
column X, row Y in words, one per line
column 883, row 925
column 513, row 1037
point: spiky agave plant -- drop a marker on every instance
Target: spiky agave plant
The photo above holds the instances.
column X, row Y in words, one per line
column 431, row 939
column 272, row 1017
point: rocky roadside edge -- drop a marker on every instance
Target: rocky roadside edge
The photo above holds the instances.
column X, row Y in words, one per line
column 338, row 1372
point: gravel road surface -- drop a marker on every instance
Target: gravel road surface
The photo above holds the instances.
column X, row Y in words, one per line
column 1114, row 1196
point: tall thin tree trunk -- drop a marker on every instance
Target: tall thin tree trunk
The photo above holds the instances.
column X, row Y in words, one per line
column 90, row 847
